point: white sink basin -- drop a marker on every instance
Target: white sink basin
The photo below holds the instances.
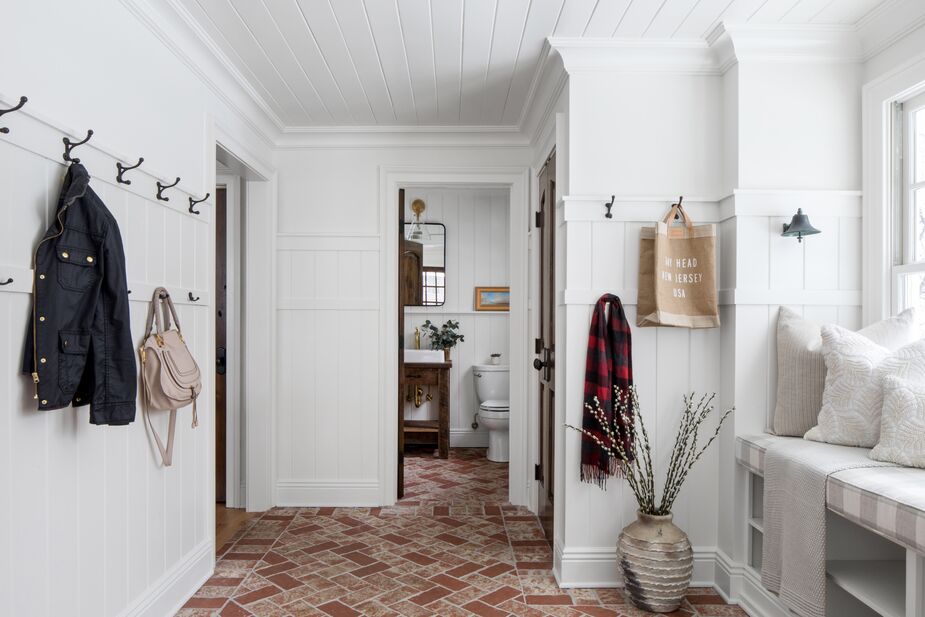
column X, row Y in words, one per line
column 423, row 355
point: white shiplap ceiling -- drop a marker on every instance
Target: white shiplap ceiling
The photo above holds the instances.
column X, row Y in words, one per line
column 316, row 63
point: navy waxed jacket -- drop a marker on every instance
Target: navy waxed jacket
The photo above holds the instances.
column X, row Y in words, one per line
column 79, row 343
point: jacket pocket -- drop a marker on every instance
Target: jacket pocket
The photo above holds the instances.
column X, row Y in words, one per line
column 73, row 346
column 77, row 268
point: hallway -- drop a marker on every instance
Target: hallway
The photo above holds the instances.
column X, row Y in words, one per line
column 451, row 547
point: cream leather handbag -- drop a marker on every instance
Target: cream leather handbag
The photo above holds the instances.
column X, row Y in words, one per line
column 170, row 374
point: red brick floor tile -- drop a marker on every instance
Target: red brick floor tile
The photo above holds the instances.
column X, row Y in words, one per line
column 560, row 599
column 205, row 603
column 336, row 609
column 449, row 582
column 483, row 610
column 234, row 610
column 453, row 547
column 431, row 595
column 257, row 594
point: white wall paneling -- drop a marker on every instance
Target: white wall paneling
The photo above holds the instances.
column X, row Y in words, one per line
column 94, row 526
column 477, row 254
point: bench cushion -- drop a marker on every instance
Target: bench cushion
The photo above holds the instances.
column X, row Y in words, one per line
column 887, row 500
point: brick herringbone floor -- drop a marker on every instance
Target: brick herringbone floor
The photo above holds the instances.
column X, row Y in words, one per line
column 451, row 547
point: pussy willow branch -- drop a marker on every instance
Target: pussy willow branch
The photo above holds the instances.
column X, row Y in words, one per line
column 637, row 464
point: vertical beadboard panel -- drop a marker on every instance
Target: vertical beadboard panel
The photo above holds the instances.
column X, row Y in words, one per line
column 89, row 521
column 477, row 255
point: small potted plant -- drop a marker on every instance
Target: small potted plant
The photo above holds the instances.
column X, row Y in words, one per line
column 445, row 337
column 652, row 538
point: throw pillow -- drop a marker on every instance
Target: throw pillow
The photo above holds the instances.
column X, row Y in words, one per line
column 853, row 397
column 902, row 427
column 801, row 365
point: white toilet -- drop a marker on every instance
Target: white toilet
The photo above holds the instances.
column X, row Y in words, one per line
column 492, row 386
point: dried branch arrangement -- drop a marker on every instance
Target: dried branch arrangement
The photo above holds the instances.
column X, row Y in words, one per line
column 637, row 464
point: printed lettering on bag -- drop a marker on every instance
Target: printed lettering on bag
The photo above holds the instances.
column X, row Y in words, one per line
column 670, row 275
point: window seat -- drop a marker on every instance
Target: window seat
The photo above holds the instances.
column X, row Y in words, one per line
column 889, row 501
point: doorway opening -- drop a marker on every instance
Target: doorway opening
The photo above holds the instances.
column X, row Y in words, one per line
column 231, row 181
column 454, row 340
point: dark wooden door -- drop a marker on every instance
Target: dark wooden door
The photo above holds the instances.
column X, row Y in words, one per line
column 546, row 343
column 401, row 346
column 221, row 280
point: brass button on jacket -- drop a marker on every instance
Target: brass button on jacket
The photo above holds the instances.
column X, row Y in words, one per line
column 79, row 344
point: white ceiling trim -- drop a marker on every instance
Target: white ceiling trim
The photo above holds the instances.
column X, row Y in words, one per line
column 723, row 46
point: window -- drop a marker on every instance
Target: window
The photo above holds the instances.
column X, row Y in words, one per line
column 434, row 286
column 908, row 272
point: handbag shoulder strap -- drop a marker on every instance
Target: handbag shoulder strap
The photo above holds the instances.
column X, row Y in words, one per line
column 160, row 319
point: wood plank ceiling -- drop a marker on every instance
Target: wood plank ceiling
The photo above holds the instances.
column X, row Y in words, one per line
column 445, row 62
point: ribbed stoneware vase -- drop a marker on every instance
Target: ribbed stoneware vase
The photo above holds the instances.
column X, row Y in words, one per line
column 657, row 562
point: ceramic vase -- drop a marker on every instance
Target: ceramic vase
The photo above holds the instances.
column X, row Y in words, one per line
column 657, row 563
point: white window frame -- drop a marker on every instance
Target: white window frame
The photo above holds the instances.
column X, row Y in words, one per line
column 879, row 196
column 905, row 187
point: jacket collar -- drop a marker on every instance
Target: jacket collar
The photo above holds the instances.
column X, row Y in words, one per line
column 75, row 184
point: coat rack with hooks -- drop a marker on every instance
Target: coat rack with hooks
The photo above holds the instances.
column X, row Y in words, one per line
column 17, row 107
column 70, row 145
column 122, row 169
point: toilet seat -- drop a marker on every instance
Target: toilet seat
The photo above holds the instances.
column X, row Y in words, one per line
column 494, row 405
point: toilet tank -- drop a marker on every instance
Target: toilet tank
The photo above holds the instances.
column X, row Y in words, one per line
column 492, row 382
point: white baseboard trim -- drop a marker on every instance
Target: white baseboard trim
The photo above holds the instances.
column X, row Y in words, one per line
column 307, row 493
column 468, row 438
column 739, row 584
column 177, row 585
column 596, row 567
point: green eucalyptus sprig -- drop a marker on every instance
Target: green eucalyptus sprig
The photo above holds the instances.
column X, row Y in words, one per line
column 445, row 336
column 637, row 464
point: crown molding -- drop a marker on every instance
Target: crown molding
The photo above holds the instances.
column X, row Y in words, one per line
column 795, row 44
column 584, row 55
column 180, row 33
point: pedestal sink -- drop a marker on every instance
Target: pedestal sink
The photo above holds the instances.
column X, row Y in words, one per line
column 423, row 355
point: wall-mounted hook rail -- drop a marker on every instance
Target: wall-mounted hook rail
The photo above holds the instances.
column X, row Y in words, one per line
column 162, row 187
column 191, row 298
column 122, row 169
column 609, row 206
column 6, row 282
column 70, row 145
column 193, row 202
column 22, row 101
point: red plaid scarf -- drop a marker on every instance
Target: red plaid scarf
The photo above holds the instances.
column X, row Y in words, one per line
column 609, row 364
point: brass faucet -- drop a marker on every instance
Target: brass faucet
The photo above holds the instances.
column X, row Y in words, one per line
column 417, row 338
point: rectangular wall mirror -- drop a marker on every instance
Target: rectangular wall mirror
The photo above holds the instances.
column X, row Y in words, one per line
column 423, row 264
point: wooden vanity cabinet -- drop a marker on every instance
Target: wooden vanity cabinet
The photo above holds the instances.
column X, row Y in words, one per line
column 430, row 374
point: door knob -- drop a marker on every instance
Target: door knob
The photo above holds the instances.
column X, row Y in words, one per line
column 539, row 364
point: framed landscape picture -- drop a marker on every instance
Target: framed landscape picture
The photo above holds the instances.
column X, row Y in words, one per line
column 492, row 298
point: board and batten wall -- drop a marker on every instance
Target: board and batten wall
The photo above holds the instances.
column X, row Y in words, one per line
column 90, row 524
column 91, row 521
column 330, row 283
column 477, row 254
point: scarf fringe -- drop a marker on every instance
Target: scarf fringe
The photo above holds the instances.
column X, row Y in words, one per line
column 593, row 474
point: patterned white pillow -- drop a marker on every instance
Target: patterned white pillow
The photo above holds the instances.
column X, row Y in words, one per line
column 853, row 397
column 902, row 428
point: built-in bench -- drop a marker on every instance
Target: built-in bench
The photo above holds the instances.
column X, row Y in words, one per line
column 875, row 537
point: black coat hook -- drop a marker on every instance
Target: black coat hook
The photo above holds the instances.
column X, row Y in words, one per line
column 191, row 298
column 70, row 145
column 22, row 101
column 677, row 215
column 193, row 202
column 6, row 282
column 122, row 169
column 609, row 206
column 161, row 187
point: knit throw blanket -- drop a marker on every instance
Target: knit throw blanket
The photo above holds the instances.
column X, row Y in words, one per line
column 609, row 365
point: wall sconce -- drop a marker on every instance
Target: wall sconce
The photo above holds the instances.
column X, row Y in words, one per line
column 417, row 231
column 799, row 226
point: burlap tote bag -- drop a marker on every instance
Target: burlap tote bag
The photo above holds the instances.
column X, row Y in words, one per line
column 677, row 274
